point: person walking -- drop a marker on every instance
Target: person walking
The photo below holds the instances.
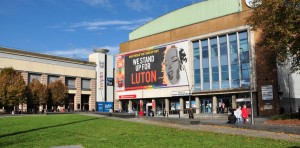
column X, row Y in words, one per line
column 244, row 114
column 238, row 115
column 191, row 114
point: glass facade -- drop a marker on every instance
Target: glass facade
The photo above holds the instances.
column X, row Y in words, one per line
column 222, row 62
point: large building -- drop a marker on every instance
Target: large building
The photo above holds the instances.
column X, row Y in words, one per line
column 79, row 76
column 202, row 55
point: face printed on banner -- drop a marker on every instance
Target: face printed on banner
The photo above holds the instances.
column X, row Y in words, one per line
column 172, row 65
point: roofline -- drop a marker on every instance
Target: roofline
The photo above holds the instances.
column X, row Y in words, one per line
column 45, row 56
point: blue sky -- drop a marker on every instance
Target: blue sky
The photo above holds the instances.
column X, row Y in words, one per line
column 73, row 28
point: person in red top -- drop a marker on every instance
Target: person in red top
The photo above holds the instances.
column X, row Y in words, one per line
column 141, row 113
column 244, row 114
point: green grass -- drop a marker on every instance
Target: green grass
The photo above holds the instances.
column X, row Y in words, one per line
column 57, row 130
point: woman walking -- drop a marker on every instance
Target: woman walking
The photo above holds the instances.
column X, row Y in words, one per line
column 244, row 114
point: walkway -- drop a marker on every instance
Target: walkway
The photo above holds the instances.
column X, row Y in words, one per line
column 217, row 128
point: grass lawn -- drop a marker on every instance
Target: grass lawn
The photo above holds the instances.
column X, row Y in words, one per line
column 57, row 130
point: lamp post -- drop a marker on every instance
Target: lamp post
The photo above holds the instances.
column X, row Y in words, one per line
column 251, row 99
column 190, row 104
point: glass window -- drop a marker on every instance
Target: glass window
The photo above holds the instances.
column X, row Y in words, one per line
column 243, row 37
column 52, row 79
column 206, row 86
column 214, row 47
column 223, row 45
column 196, row 50
column 197, row 71
column 70, row 82
column 233, row 44
column 204, row 49
column 224, row 69
column 34, row 76
column 245, row 56
column 85, row 84
column 197, row 79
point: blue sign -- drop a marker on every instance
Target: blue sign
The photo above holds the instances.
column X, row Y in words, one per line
column 107, row 106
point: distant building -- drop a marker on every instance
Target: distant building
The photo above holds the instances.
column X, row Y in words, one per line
column 78, row 75
column 205, row 50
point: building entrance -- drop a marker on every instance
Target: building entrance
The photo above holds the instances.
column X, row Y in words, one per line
column 206, row 106
column 148, row 109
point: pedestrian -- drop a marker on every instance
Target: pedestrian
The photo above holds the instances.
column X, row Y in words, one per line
column 238, row 114
column 244, row 113
column 141, row 113
column 223, row 107
column 231, row 119
column 191, row 114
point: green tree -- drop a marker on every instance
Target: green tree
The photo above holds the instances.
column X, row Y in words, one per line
column 279, row 22
column 58, row 92
column 12, row 87
column 38, row 93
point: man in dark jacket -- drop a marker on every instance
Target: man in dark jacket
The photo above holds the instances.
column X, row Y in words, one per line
column 231, row 118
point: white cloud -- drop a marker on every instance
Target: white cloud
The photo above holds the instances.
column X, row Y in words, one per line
column 82, row 53
column 138, row 5
column 128, row 27
column 103, row 3
column 69, row 30
column 119, row 24
column 94, row 28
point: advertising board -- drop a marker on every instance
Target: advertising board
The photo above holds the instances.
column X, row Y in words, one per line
column 162, row 66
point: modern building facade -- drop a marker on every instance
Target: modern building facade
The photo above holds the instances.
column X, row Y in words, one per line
column 203, row 55
column 78, row 75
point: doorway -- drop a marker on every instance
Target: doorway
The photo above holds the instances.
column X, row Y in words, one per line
column 206, row 106
column 148, row 109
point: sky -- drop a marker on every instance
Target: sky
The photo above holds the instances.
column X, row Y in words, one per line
column 74, row 28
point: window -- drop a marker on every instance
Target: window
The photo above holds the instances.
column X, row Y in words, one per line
column 214, row 47
column 85, row 84
column 34, row 76
column 223, row 45
column 52, row 79
column 70, row 82
column 197, row 65
column 225, row 61
column 204, row 44
column 233, row 44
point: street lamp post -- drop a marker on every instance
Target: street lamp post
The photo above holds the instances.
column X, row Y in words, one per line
column 251, row 98
column 190, row 104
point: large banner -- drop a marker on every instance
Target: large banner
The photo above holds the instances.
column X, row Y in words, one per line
column 162, row 66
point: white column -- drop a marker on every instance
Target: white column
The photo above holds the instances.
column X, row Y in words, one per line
column 181, row 105
column 167, row 105
column 197, row 105
column 214, row 104
column 130, row 106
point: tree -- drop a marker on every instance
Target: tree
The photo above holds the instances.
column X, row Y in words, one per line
column 12, row 87
column 279, row 20
column 38, row 93
column 58, row 92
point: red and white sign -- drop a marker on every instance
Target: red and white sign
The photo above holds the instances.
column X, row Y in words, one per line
column 127, row 96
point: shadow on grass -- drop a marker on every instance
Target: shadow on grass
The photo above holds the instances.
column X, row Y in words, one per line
column 41, row 128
